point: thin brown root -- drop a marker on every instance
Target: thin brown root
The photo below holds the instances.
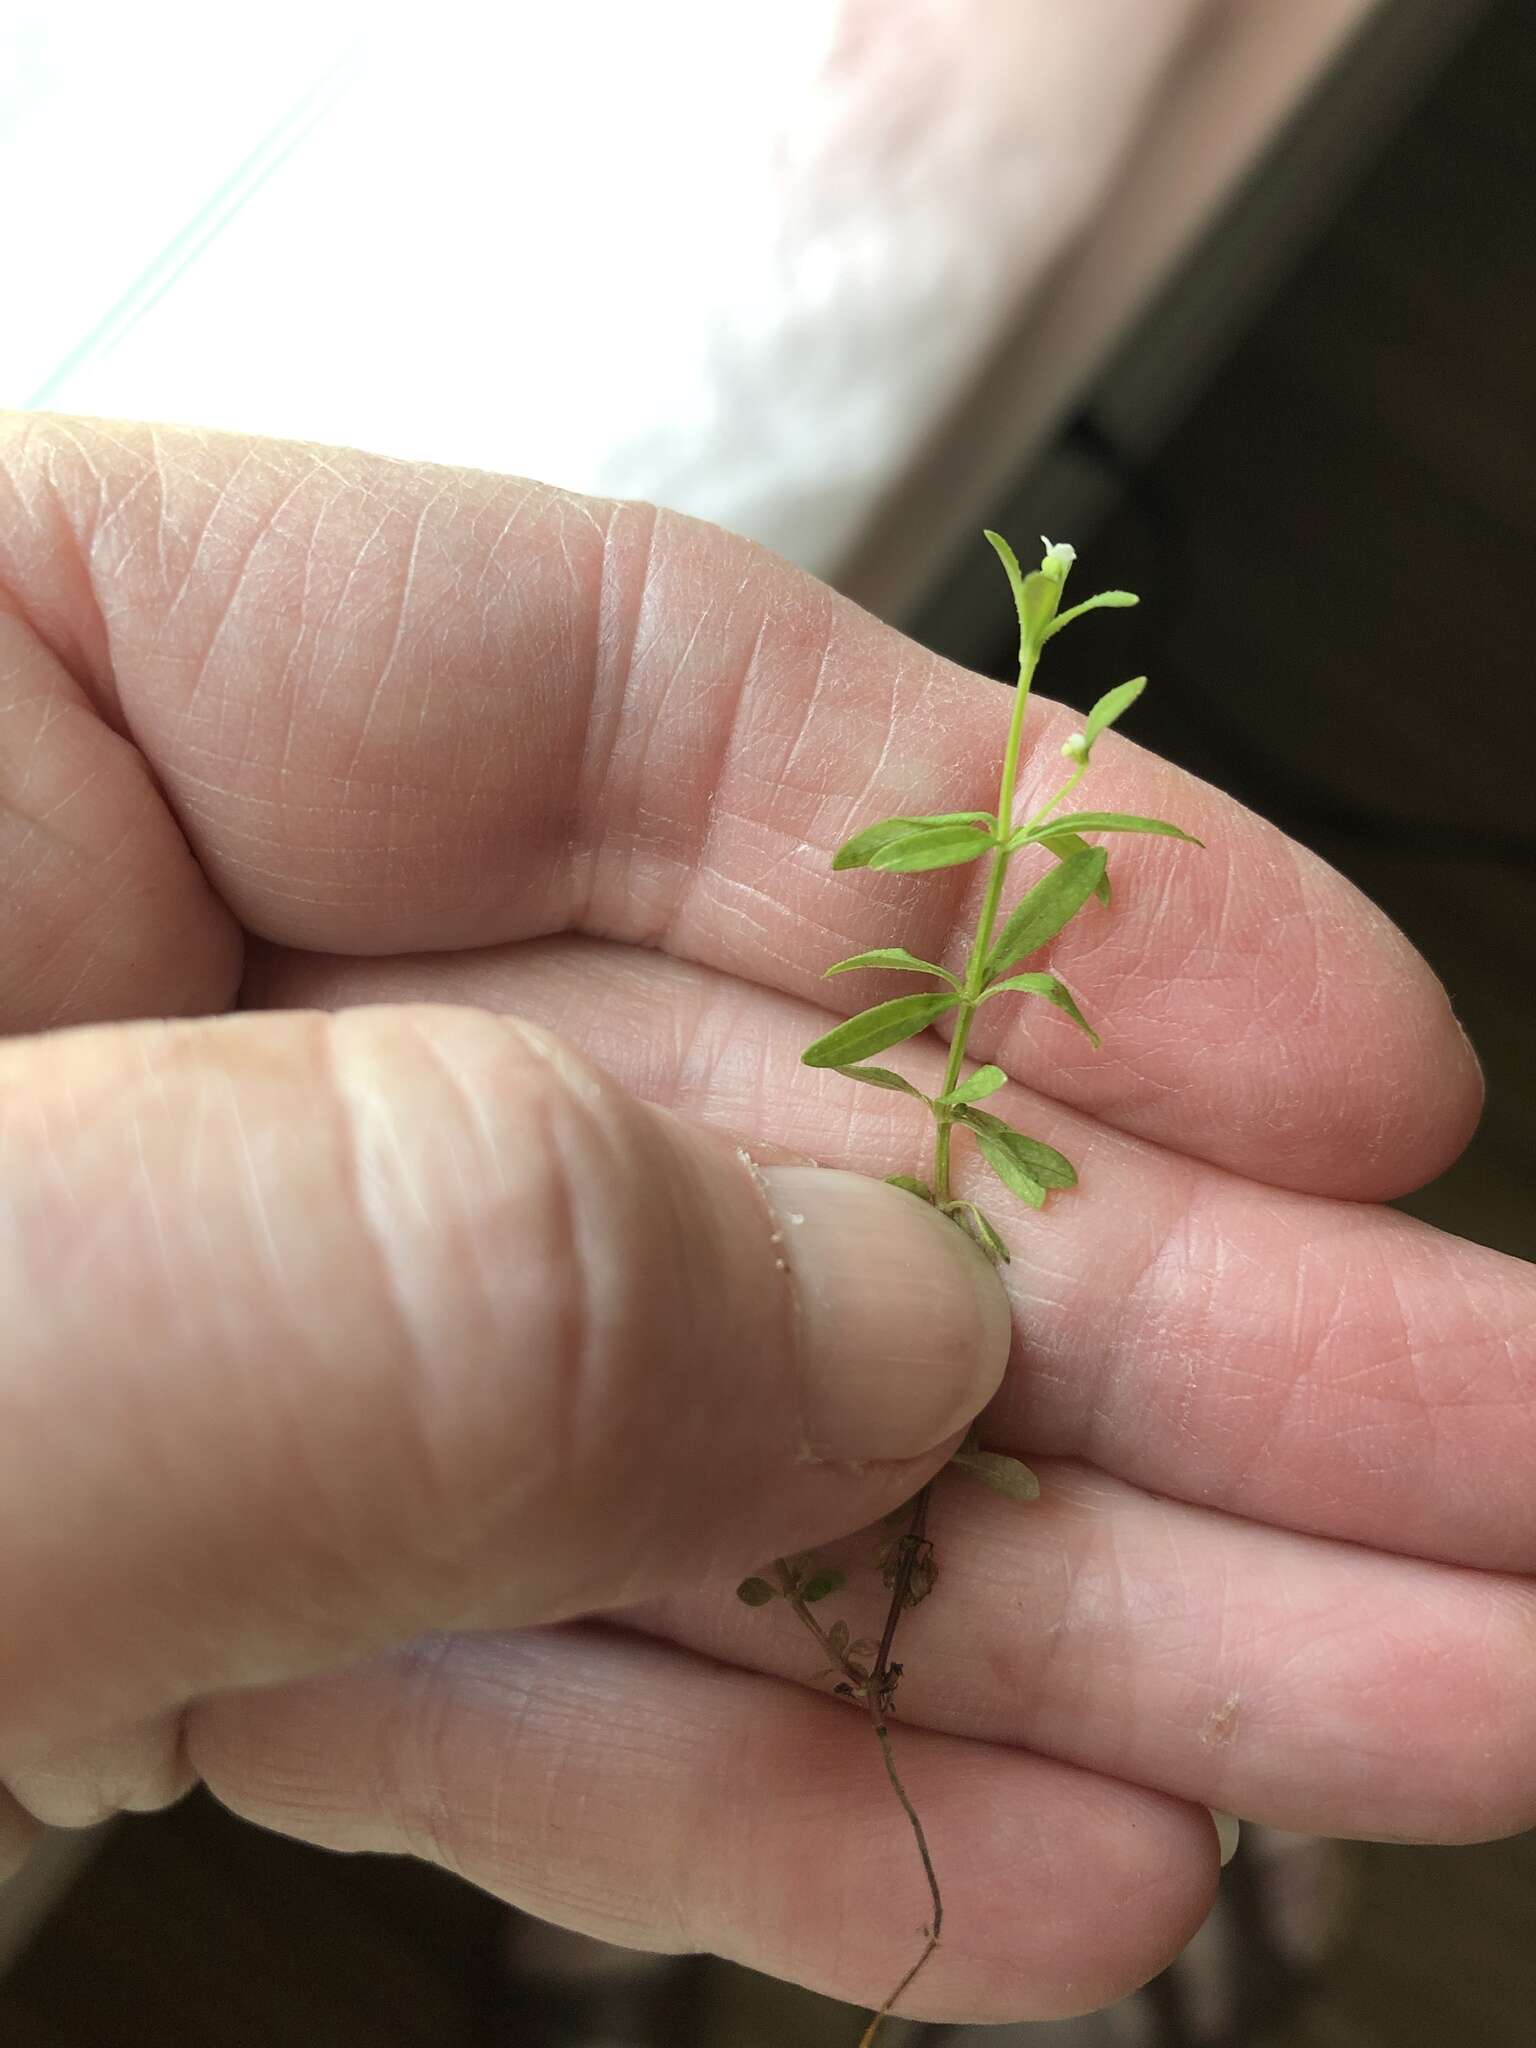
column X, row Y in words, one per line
column 922, row 1849
column 876, row 1687
column 866, row 2039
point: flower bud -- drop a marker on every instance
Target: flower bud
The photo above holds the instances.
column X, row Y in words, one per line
column 1059, row 557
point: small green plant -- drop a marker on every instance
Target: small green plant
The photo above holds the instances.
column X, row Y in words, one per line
column 862, row 1669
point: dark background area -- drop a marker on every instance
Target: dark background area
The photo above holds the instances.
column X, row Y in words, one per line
column 1337, row 558
column 1338, row 550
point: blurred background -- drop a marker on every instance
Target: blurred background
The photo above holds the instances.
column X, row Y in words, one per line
column 1236, row 294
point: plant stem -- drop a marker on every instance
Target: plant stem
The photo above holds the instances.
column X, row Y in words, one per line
column 1061, row 795
column 881, row 1687
column 790, row 1590
column 976, row 967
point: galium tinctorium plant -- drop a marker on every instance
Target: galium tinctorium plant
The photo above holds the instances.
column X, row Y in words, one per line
column 1076, row 871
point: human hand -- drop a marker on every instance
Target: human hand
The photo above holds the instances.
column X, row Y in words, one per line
column 321, row 1336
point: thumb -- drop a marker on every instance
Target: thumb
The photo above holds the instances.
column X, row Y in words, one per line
column 323, row 1330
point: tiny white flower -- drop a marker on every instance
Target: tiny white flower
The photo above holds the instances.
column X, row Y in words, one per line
column 1076, row 748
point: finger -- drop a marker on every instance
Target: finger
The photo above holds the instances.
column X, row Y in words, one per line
column 130, row 1767
column 397, row 707
column 636, row 1794
column 323, row 1331
column 1314, row 1363
column 106, row 912
column 1314, row 1685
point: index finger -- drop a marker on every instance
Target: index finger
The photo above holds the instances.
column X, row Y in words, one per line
column 397, row 708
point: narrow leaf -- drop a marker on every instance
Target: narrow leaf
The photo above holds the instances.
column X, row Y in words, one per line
column 756, row 1592
column 1053, row 989
column 930, row 846
column 1015, row 575
column 871, row 1031
column 920, row 1188
column 1110, row 706
column 1037, row 606
column 1107, row 600
column 1102, row 821
column 893, row 957
column 1008, row 1170
column 1041, row 1162
column 1042, row 911
column 856, row 852
column 837, row 1638
column 820, row 1584
column 978, row 1225
column 1063, row 845
column 1008, row 1476
column 976, row 1087
column 991, row 1241
column 882, row 1077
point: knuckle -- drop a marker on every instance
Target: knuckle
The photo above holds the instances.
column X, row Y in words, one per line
column 493, row 1178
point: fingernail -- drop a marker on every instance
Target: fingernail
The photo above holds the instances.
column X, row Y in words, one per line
column 904, row 1327
column 1228, row 1831
column 760, row 1153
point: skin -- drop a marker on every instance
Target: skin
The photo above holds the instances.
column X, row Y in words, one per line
column 300, row 1489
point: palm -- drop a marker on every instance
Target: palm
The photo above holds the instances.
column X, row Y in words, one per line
column 1285, row 1437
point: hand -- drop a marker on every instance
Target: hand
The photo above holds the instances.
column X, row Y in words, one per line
column 325, row 1333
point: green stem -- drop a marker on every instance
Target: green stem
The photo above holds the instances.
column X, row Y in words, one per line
column 1061, row 795
column 976, row 966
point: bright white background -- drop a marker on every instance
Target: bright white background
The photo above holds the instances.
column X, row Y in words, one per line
column 740, row 259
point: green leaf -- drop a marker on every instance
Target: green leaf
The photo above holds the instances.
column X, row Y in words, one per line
column 930, row 846
column 837, row 1638
column 1052, row 988
column 1014, row 573
column 911, row 1186
column 1008, row 1476
column 1110, row 706
column 871, row 1031
column 857, row 851
column 1063, row 845
column 1042, row 1163
column 820, row 1584
column 896, row 957
column 1037, row 606
column 1008, row 1170
column 882, row 1077
column 1107, row 600
column 1100, row 821
column 978, row 1225
column 975, row 1088
column 1040, row 914
column 756, row 1592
